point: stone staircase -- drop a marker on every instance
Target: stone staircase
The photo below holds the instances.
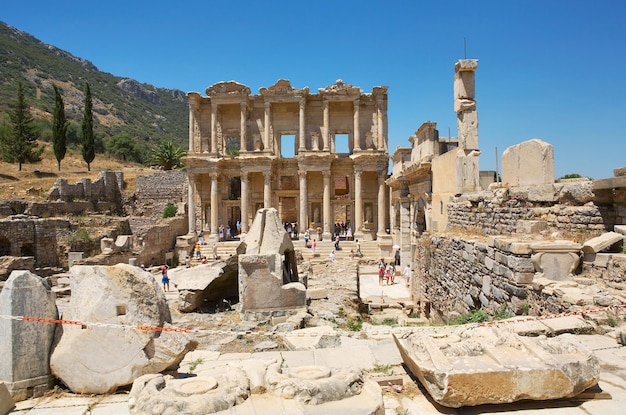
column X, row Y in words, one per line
column 369, row 249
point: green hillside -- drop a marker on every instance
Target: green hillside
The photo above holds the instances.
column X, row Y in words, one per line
column 121, row 106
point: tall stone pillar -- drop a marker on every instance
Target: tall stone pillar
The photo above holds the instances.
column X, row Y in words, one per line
column 303, row 223
column 302, row 133
column 267, row 189
column 464, row 103
column 192, row 128
column 358, row 205
column 242, row 128
column 191, row 204
column 214, row 207
column 325, row 133
column 357, row 133
column 381, row 203
column 244, row 202
column 266, row 135
column 213, row 149
column 326, row 231
column 380, row 117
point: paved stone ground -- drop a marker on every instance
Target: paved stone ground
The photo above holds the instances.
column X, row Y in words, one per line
column 372, row 349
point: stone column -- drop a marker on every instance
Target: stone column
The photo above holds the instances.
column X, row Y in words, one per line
column 192, row 128
column 302, row 138
column 213, row 128
column 214, row 207
column 357, row 133
column 242, row 128
column 379, row 114
column 326, row 131
column 358, row 205
column 326, row 230
column 303, row 224
column 266, row 135
column 267, row 189
column 191, row 204
column 381, row 203
column 244, row 202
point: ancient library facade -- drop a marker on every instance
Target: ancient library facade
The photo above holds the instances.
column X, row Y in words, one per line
column 320, row 159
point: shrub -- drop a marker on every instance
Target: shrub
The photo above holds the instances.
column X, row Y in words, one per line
column 476, row 316
column 170, row 211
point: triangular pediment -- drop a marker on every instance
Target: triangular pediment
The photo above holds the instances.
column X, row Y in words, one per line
column 283, row 87
column 227, row 88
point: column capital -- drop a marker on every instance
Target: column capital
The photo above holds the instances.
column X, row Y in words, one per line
column 358, row 173
column 214, row 176
column 325, row 102
column 302, row 102
column 266, row 104
column 244, row 176
column 356, row 102
column 302, row 174
column 326, row 174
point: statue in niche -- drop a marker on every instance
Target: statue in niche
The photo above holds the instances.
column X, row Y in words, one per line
column 316, row 214
column 368, row 214
column 258, row 144
column 315, row 138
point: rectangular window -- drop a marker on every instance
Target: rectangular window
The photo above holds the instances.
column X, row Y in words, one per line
column 342, row 145
column 233, row 145
column 287, row 145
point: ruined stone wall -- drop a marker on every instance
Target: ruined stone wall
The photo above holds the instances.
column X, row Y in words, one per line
column 107, row 187
column 160, row 239
column 459, row 275
column 155, row 191
column 566, row 207
column 27, row 236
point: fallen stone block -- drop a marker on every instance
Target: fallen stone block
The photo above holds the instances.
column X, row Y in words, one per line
column 602, row 242
column 98, row 358
column 469, row 365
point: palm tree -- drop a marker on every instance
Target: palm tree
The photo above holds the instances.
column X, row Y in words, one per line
column 167, row 155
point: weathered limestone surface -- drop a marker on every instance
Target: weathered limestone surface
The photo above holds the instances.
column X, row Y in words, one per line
column 268, row 274
column 468, row 366
column 557, row 207
column 600, row 243
column 26, row 294
column 529, row 163
column 205, row 286
column 94, row 359
column 460, row 275
column 259, row 387
column 556, row 260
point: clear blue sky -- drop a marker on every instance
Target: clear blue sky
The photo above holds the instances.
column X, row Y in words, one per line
column 548, row 69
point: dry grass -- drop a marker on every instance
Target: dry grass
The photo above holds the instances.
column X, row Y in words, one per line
column 34, row 180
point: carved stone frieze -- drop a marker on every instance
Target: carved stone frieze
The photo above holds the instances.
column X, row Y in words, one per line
column 340, row 88
column 283, row 87
column 229, row 88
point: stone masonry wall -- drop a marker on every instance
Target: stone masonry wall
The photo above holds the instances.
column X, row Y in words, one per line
column 155, row 191
column 459, row 275
column 565, row 207
column 22, row 235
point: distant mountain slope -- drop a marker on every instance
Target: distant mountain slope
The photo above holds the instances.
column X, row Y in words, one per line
column 121, row 105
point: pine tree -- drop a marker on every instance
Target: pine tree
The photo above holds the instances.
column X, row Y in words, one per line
column 59, row 128
column 87, row 140
column 21, row 145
